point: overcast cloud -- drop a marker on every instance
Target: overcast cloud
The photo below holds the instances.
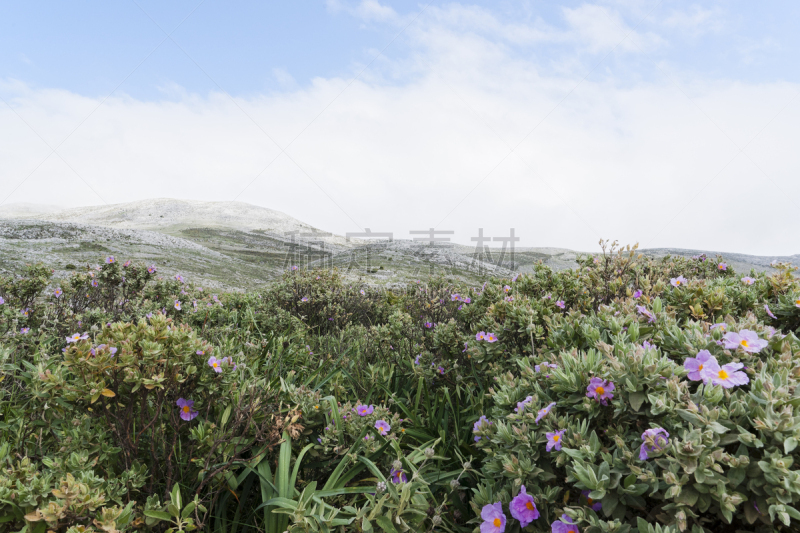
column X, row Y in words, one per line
column 475, row 125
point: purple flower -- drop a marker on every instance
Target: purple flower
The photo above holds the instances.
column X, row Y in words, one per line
column 561, row 304
column 364, row 410
column 58, row 292
column 304, row 299
column 766, row 308
column 398, row 476
column 24, row 331
column 700, row 366
column 2, row 301
column 745, row 339
column 481, row 335
column 466, row 300
column 653, row 440
column 521, row 405
column 729, row 376
column 215, row 363
column 441, row 370
column 523, row 508
column 75, row 337
column 362, row 292
column 482, row 423
column 95, row 283
column 416, row 359
column 127, row 263
column 596, row 506
column 509, row 298
column 178, row 305
column 544, row 411
column 113, row 351
column 428, row 325
column 383, row 427
column 722, row 266
column 747, row 280
column 514, row 278
column 187, row 410
column 554, row 439
column 465, row 347
column 600, row 390
column 455, row 297
column 647, row 345
column 494, row 521
column 179, row 277
column 637, row 294
column 506, row 288
column 25, row 312
column 722, row 325
column 491, row 337
column 294, row 267
column 152, row 269
column 565, row 525
column 110, row 259
column 677, row 282
column 644, row 311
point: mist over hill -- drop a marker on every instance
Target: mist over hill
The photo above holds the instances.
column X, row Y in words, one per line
column 236, row 245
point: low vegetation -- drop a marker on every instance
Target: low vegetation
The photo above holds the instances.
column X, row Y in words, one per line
column 625, row 395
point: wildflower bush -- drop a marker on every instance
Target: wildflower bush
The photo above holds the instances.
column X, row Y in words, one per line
column 625, row 395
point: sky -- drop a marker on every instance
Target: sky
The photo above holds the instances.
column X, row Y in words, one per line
column 667, row 123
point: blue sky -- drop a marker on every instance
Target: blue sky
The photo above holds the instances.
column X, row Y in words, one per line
column 390, row 114
column 90, row 47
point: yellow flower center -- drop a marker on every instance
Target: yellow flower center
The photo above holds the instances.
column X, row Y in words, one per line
column 743, row 343
column 529, row 506
column 556, row 438
column 722, row 374
column 600, row 390
column 497, row 522
column 590, row 501
column 700, row 367
column 797, row 302
column 185, row 408
column 215, row 365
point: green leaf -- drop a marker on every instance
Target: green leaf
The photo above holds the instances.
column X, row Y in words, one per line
column 789, row 445
column 636, row 400
column 158, row 515
column 386, row 524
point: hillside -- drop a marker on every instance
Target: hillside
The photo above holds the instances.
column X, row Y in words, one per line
column 238, row 245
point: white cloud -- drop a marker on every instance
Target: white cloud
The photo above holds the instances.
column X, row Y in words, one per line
column 601, row 30
column 615, row 160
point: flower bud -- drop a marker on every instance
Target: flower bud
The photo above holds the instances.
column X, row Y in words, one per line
column 397, row 465
column 429, row 453
column 454, row 484
column 381, row 487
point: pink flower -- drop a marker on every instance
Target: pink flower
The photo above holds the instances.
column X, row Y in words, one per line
column 110, row 259
column 766, row 308
column 544, row 411
column 179, row 278
column 506, row 288
column 600, row 390
column 521, row 405
column 653, row 440
column 383, row 427
column 745, row 339
column 644, row 311
column 491, row 337
column 480, row 335
column 77, row 337
column 747, row 280
column 152, row 269
column 364, row 410
column 729, row 376
column 523, row 508
column 455, row 297
column 95, row 283
column 561, row 304
column 700, row 366
column 127, row 263
column 178, row 305
column 187, row 410
column 215, row 363
column 722, row 266
column 678, row 282
column 494, row 521
column 554, row 439
column 637, row 294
